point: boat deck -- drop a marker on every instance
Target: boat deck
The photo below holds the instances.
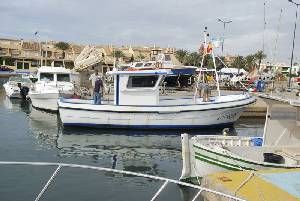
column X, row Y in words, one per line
column 265, row 185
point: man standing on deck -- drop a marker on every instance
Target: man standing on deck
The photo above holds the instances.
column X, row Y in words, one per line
column 93, row 77
column 97, row 89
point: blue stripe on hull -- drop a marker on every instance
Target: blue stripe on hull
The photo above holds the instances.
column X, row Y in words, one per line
column 150, row 126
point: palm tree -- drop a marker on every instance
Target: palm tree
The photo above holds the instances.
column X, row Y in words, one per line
column 131, row 59
column 238, row 62
column 259, row 56
column 249, row 62
column 140, row 57
column 63, row 46
column 118, row 54
column 180, row 55
column 192, row 59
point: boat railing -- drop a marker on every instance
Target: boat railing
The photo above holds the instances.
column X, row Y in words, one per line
column 166, row 181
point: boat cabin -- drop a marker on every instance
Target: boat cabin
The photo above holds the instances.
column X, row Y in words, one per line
column 137, row 87
column 53, row 74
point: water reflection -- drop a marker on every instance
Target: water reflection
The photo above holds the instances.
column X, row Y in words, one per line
column 152, row 152
column 44, row 126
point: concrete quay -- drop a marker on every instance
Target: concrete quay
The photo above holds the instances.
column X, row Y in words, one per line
column 258, row 109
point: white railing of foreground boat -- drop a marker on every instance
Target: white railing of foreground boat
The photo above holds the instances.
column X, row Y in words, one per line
column 59, row 166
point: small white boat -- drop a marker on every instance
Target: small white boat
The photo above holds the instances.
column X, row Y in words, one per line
column 279, row 147
column 137, row 104
column 17, row 87
column 53, row 83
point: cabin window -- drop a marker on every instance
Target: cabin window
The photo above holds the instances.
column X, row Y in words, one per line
column 167, row 57
column 46, row 77
column 142, row 81
column 139, row 65
column 148, row 64
column 63, row 77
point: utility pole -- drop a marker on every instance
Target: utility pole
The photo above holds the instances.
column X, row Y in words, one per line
column 292, row 58
column 40, row 44
column 224, row 27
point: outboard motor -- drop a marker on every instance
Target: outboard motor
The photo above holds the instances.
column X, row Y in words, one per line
column 24, row 91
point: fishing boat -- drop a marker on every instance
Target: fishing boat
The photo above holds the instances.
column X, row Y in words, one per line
column 278, row 148
column 53, row 83
column 17, row 87
column 137, row 104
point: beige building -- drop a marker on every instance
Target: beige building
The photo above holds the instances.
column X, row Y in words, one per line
column 27, row 56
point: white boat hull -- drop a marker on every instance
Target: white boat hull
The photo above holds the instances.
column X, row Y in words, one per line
column 46, row 101
column 170, row 117
column 12, row 92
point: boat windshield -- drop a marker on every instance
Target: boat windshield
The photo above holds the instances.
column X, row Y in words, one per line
column 142, row 81
column 46, row 77
column 63, row 77
column 139, row 64
column 19, row 79
column 148, row 64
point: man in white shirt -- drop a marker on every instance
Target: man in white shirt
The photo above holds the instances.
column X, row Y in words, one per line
column 94, row 77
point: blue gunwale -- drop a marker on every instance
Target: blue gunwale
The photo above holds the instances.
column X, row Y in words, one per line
column 167, row 127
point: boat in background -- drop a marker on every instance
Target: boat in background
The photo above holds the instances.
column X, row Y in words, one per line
column 17, row 86
column 279, row 147
column 53, row 83
column 180, row 76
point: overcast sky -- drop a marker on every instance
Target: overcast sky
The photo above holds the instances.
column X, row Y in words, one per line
column 174, row 23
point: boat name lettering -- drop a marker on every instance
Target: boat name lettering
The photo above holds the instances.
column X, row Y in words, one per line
column 227, row 116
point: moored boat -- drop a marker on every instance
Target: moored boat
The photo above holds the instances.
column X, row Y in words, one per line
column 53, row 83
column 279, row 147
column 17, row 87
column 137, row 104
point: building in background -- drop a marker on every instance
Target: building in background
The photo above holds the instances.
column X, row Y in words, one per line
column 27, row 56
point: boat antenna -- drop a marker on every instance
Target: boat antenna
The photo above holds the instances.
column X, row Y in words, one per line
column 265, row 24
column 277, row 37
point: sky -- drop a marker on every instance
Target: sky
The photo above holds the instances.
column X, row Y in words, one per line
column 173, row 23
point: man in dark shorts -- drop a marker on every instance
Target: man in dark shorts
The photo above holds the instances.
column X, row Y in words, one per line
column 199, row 88
column 97, row 90
column 206, row 92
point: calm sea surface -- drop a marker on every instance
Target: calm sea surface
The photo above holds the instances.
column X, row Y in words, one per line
column 27, row 134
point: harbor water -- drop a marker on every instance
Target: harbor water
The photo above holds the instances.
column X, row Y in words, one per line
column 28, row 134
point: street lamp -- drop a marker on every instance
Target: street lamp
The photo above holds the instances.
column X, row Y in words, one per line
column 297, row 4
column 40, row 44
column 224, row 25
